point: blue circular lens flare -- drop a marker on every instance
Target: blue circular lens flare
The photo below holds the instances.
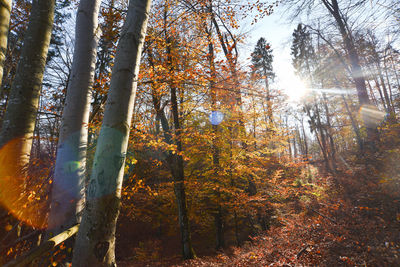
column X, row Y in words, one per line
column 216, row 117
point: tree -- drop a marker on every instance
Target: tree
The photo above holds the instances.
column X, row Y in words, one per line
column 18, row 125
column 171, row 69
column 262, row 59
column 353, row 64
column 69, row 176
column 302, row 51
column 95, row 242
column 5, row 10
column 352, row 54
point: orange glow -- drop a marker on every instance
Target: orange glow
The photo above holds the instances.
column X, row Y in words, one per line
column 16, row 196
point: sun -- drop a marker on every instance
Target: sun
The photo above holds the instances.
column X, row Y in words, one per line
column 289, row 83
column 295, row 88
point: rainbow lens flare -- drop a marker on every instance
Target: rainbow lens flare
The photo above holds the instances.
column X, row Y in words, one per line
column 17, row 195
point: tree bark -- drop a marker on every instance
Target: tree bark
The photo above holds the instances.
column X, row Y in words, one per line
column 5, row 10
column 305, row 140
column 69, row 177
column 48, row 245
column 354, row 124
column 218, row 214
column 95, row 242
column 20, row 117
column 176, row 160
column 356, row 71
column 329, row 133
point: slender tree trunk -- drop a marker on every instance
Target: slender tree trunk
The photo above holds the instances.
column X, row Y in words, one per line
column 354, row 125
column 381, row 94
column 218, row 215
column 356, row 71
column 69, row 178
column 95, row 244
column 19, row 122
column 384, row 89
column 324, row 142
column 179, row 183
column 177, row 170
column 390, row 97
column 295, row 148
column 175, row 161
column 371, row 92
column 300, row 141
column 329, row 133
column 305, row 139
column 321, row 141
column 393, row 65
column 5, row 10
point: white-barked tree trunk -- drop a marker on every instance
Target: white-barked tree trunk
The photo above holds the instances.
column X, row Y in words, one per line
column 5, row 11
column 95, row 242
column 68, row 189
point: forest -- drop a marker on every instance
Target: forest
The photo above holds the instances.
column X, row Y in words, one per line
column 157, row 133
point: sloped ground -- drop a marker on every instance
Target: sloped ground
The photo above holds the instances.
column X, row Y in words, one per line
column 361, row 236
column 357, row 225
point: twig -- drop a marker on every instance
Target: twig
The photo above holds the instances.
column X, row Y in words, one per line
column 302, row 251
column 322, row 215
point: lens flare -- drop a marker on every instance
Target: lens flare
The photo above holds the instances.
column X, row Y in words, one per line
column 294, row 87
column 16, row 195
column 371, row 115
column 216, row 117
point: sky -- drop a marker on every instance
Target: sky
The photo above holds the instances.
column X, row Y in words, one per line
column 276, row 29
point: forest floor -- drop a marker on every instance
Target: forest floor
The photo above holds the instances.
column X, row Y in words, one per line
column 358, row 225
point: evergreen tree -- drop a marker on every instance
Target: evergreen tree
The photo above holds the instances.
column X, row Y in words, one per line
column 262, row 59
column 302, row 51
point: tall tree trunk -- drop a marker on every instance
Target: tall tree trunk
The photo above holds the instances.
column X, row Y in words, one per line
column 321, row 140
column 329, row 133
column 390, row 97
column 356, row 71
column 393, row 66
column 177, row 171
column 176, row 160
column 19, row 122
column 218, row 217
column 354, row 124
column 69, row 177
column 5, row 10
column 305, row 140
column 23, row 102
column 381, row 94
column 95, row 243
column 371, row 92
column 179, row 182
column 384, row 89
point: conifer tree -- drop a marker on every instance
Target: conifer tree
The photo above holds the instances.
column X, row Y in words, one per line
column 302, row 51
column 262, row 59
